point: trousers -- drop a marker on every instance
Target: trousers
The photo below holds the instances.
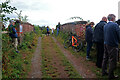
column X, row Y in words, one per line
column 110, row 55
column 100, row 52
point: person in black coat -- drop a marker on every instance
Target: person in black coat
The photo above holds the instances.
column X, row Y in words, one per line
column 99, row 41
column 89, row 38
column 118, row 22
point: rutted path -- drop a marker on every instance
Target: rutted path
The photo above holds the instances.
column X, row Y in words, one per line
column 48, row 61
column 54, row 63
column 78, row 63
column 36, row 62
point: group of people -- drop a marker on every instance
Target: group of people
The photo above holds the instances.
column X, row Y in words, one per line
column 48, row 31
column 15, row 30
column 106, row 36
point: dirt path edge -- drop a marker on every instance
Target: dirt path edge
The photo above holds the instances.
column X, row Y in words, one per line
column 36, row 62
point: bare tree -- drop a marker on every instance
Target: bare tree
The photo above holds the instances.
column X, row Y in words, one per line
column 19, row 15
column 24, row 19
column 76, row 17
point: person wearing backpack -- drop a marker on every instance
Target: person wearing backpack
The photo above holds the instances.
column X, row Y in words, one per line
column 10, row 29
column 13, row 34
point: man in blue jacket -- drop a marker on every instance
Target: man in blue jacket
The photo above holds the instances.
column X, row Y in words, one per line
column 111, row 39
column 99, row 40
column 89, row 38
column 13, row 34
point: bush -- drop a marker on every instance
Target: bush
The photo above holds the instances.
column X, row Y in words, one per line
column 44, row 31
column 37, row 30
column 27, row 41
column 6, row 42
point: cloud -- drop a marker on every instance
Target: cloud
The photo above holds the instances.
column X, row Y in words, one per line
column 20, row 5
column 12, row 16
column 30, row 5
column 50, row 12
column 39, row 6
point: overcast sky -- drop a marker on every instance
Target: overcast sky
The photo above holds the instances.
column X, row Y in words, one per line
column 50, row 12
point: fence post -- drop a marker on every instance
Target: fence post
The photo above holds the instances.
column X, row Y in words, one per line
column 0, row 41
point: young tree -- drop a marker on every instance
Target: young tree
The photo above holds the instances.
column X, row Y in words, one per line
column 5, row 8
column 19, row 15
column 21, row 18
column 24, row 19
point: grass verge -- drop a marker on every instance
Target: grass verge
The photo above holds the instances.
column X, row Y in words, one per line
column 17, row 65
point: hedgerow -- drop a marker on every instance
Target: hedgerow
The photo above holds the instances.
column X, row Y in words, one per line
column 17, row 65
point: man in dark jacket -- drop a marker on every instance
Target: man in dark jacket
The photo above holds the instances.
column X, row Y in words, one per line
column 48, row 31
column 13, row 34
column 99, row 40
column 89, row 38
column 111, row 39
column 118, row 22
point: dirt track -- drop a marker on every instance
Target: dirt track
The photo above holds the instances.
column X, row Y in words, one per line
column 36, row 62
column 78, row 63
